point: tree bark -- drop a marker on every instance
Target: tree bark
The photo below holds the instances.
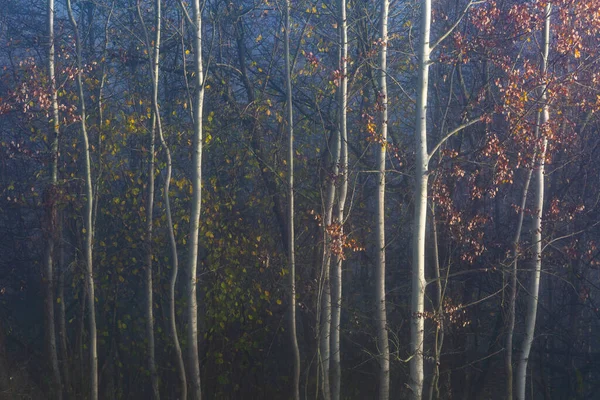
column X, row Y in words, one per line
column 532, row 303
column 512, row 300
column 148, row 278
column 88, row 215
column 420, row 217
column 192, row 311
column 51, row 222
column 290, row 195
column 342, row 176
column 381, row 315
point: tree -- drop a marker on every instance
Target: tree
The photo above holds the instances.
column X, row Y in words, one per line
column 192, row 311
column 290, row 197
column 153, row 72
column 382, row 333
column 52, row 219
column 539, row 167
column 342, row 174
column 88, row 214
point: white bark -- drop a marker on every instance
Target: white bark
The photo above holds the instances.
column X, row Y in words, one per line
column 420, row 218
column 154, row 69
column 381, row 315
column 192, row 332
column 290, row 195
column 51, row 221
column 512, row 301
column 342, row 177
column 532, row 303
column 87, row 220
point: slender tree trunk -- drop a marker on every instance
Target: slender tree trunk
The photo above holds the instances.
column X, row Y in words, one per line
column 434, row 388
column 342, row 174
column 290, row 195
column 325, row 317
column 88, row 215
column 192, row 331
column 174, row 257
column 512, row 301
column 417, row 328
column 52, row 222
column 154, row 69
column 381, row 315
column 530, row 317
column 62, row 319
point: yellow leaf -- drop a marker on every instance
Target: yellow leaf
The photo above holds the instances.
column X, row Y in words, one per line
column 58, row 300
column 187, row 52
column 577, row 53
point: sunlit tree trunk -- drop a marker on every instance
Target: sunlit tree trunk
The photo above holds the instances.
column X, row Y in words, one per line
column 192, row 332
column 420, row 218
column 342, row 179
column 290, row 195
column 173, row 245
column 87, row 220
column 383, row 348
column 532, row 301
column 51, row 222
column 154, row 67
column 512, row 300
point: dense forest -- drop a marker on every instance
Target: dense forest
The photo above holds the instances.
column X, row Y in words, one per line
column 286, row 199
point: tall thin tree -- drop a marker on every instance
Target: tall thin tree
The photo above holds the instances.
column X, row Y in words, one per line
column 290, row 195
column 342, row 179
column 539, row 166
column 192, row 310
column 52, row 219
column 148, row 278
column 381, row 314
column 88, row 211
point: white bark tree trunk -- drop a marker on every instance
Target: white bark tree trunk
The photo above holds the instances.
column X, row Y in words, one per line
column 342, row 178
column 420, row 218
column 154, row 69
column 381, row 315
column 290, row 195
column 532, row 303
column 88, row 216
column 512, row 300
column 192, row 332
column 52, row 222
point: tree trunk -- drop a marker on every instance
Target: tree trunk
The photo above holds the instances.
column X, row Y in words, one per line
column 192, row 331
column 342, row 173
column 420, row 217
column 51, row 223
column 512, row 301
column 88, row 215
column 174, row 257
column 381, row 315
column 290, row 195
column 539, row 166
column 62, row 320
column 148, row 278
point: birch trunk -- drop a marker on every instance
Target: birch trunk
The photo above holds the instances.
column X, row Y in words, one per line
column 420, row 218
column 87, row 220
column 381, row 315
column 52, row 222
column 325, row 330
column 192, row 331
column 290, row 195
column 342, row 174
column 174, row 257
column 513, row 292
column 532, row 303
column 154, row 69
